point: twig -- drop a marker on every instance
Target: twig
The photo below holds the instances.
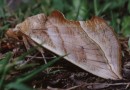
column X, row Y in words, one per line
column 104, row 85
column 110, row 84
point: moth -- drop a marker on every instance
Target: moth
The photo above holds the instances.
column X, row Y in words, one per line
column 92, row 45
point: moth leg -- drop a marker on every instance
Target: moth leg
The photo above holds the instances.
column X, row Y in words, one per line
column 40, row 49
column 26, row 43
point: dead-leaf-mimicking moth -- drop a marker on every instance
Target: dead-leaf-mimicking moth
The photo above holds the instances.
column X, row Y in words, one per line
column 92, row 45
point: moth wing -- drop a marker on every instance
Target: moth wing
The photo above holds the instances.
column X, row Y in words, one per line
column 62, row 36
column 98, row 30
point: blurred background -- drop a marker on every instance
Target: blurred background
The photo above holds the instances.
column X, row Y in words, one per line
column 12, row 12
column 116, row 12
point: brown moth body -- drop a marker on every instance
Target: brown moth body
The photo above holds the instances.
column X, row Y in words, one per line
column 91, row 45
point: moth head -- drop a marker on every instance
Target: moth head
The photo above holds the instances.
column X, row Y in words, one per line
column 17, row 32
column 22, row 27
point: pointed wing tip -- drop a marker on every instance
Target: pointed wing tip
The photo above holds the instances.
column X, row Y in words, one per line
column 120, row 77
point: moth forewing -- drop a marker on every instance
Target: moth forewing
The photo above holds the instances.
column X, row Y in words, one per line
column 86, row 43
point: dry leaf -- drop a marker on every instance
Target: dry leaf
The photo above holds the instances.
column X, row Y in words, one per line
column 91, row 45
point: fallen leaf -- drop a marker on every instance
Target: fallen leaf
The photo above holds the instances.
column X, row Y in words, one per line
column 92, row 45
